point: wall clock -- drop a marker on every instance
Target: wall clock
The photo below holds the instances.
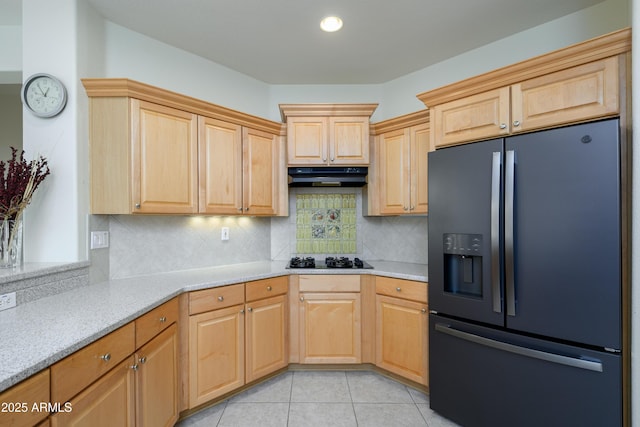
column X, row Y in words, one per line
column 44, row 95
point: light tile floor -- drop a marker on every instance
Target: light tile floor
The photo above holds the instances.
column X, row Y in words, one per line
column 323, row 398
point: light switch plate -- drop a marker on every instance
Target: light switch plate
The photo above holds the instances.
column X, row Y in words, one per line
column 7, row 301
column 99, row 239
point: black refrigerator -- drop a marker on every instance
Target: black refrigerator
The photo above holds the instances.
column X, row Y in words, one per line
column 525, row 279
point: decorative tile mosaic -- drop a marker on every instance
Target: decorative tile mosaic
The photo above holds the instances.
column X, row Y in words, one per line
column 326, row 224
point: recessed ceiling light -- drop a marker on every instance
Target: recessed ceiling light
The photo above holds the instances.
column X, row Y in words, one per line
column 331, row 24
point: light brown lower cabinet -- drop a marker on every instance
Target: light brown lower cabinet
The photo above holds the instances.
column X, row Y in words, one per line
column 18, row 402
column 329, row 315
column 402, row 328
column 107, row 383
column 108, row 402
column 156, row 378
column 234, row 345
column 266, row 337
column 216, row 353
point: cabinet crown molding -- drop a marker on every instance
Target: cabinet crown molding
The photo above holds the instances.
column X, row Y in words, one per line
column 400, row 122
column 612, row 44
column 311, row 110
column 122, row 87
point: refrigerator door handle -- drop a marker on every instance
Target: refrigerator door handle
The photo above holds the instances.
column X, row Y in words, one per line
column 575, row 362
column 495, row 232
column 509, row 190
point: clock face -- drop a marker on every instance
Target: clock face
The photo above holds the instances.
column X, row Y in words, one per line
column 44, row 95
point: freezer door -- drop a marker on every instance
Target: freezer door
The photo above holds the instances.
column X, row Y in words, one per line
column 479, row 376
column 464, row 231
column 563, row 251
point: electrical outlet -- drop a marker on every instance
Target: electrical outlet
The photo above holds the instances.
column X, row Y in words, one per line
column 99, row 239
column 224, row 235
column 7, row 301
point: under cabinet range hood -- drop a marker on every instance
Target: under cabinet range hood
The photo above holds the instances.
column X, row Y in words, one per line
column 327, row 176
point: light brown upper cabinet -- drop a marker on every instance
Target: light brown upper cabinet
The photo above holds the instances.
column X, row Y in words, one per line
column 155, row 151
column 398, row 182
column 579, row 83
column 239, row 169
column 327, row 134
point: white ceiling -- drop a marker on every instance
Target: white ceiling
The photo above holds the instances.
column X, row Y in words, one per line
column 280, row 42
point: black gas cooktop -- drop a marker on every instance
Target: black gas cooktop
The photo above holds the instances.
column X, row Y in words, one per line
column 329, row 262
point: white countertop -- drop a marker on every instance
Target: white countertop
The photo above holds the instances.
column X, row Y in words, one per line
column 37, row 334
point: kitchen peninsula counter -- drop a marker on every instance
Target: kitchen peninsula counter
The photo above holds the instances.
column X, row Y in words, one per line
column 39, row 333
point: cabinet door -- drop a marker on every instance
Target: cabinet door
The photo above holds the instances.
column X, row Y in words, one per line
column 267, row 345
column 349, row 140
column 420, row 147
column 580, row 93
column 402, row 338
column 220, row 157
column 165, row 159
column 481, row 116
column 394, row 172
column 261, row 166
column 216, row 353
column 307, row 140
column 330, row 328
column 157, row 380
column 108, row 402
column 23, row 397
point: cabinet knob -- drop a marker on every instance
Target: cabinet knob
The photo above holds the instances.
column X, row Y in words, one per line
column 143, row 359
column 134, row 367
column 398, row 289
column 301, row 299
column 516, row 123
column 332, row 159
column 249, row 309
column 424, row 310
column 240, row 209
column 106, row 357
column 411, row 208
column 221, row 298
column 162, row 319
column 137, row 205
column 503, row 125
column 246, row 209
column 242, row 311
column 269, row 288
column 405, row 208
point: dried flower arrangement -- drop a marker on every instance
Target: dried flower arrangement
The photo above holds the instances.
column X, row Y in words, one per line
column 18, row 181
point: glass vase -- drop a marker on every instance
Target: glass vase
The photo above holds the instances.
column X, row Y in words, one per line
column 11, row 243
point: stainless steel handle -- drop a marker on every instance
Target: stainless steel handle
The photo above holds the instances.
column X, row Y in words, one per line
column 106, row 357
column 220, row 298
column 509, row 189
column 269, row 288
column 576, row 362
column 495, row 231
column 162, row 319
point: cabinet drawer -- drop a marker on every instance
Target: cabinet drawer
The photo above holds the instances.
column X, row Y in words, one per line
column 266, row 288
column 155, row 321
column 215, row 298
column 74, row 373
column 33, row 390
column 330, row 283
column 399, row 288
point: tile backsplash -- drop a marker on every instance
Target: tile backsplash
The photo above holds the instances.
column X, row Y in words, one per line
column 326, row 224
column 147, row 244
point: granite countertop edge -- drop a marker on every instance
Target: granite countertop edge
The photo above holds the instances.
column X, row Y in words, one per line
column 38, row 334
